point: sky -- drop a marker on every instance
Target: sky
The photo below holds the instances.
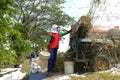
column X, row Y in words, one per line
column 107, row 15
column 76, row 8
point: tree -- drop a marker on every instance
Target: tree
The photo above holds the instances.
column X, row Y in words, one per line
column 7, row 55
column 9, row 37
column 37, row 16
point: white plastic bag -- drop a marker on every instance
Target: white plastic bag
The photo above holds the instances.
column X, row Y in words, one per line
column 35, row 67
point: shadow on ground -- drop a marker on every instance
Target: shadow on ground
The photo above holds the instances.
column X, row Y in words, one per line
column 40, row 76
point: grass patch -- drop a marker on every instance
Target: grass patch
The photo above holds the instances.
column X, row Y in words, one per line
column 26, row 77
column 26, row 65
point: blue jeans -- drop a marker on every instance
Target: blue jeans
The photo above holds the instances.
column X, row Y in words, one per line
column 52, row 59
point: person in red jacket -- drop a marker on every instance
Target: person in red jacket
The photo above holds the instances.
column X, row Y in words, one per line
column 53, row 45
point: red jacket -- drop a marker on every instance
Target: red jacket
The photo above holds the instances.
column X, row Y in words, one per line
column 55, row 38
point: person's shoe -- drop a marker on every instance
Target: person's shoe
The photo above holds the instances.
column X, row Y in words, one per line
column 49, row 74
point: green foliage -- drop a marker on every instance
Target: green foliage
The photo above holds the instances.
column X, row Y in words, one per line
column 11, row 41
column 1, row 37
column 22, row 48
column 14, row 35
column 7, row 57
